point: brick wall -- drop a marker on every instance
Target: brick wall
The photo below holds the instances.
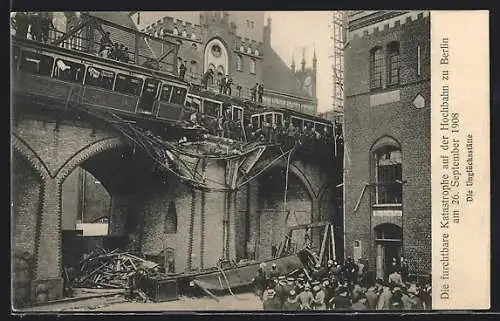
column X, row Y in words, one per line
column 26, row 203
column 364, row 125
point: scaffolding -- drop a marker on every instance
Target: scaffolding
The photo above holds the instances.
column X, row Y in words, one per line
column 338, row 36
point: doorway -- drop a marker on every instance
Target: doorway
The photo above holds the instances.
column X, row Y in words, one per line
column 389, row 243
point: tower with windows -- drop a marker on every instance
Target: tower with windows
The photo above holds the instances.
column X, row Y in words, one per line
column 387, row 195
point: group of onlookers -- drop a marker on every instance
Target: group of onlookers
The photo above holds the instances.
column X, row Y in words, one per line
column 341, row 287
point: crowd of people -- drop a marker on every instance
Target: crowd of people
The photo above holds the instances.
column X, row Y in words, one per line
column 341, row 287
column 33, row 25
column 110, row 50
column 288, row 135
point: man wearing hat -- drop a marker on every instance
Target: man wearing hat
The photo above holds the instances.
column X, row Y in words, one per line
column 384, row 297
column 270, row 300
column 318, row 272
column 329, row 293
column 275, row 273
column 341, row 301
column 306, row 298
column 291, row 303
column 299, row 285
column 415, row 302
column 290, row 284
column 359, row 304
column 319, row 298
column 372, row 294
column 396, row 301
column 280, row 289
column 260, row 281
column 395, row 278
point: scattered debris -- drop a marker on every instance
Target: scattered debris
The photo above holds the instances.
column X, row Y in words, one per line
column 109, row 270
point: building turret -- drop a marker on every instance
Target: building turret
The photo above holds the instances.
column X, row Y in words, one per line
column 303, row 63
column 315, row 60
column 293, row 64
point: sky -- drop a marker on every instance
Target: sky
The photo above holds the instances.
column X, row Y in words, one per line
column 293, row 30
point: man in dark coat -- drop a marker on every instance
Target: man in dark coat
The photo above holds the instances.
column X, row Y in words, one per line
column 341, row 301
column 22, row 24
column 291, row 303
column 270, row 301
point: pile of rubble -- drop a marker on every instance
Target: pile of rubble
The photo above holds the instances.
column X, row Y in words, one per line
column 109, row 270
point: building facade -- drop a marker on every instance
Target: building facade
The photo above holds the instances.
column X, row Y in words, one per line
column 237, row 44
column 387, row 178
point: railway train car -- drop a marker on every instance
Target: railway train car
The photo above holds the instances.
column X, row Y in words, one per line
column 44, row 71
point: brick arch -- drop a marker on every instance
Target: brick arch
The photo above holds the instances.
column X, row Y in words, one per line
column 20, row 146
column 297, row 172
column 86, row 153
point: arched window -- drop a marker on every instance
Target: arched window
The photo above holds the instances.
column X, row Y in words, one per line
column 171, row 219
column 252, row 66
column 376, row 67
column 239, row 62
column 388, row 175
column 393, row 63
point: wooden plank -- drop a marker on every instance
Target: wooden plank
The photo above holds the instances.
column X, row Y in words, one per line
column 323, row 243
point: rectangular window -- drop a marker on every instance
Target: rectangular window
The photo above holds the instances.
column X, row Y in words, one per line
column 237, row 113
column 69, row 71
column 389, row 177
column 297, row 122
column 150, row 87
column 255, row 121
column 36, row 63
column 268, row 118
column 166, row 91
column 394, row 69
column 178, row 95
column 211, row 108
column 128, row 84
column 376, row 68
column 278, row 119
column 98, row 77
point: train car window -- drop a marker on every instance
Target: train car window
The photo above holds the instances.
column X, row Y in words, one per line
column 278, row 119
column 297, row 122
column 98, row 77
column 211, row 108
column 255, row 121
column 128, row 84
column 268, row 118
column 150, row 87
column 166, row 91
column 193, row 102
column 36, row 63
column 178, row 95
column 320, row 128
column 237, row 113
column 68, row 70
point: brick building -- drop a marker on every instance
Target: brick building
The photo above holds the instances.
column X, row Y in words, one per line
column 387, row 209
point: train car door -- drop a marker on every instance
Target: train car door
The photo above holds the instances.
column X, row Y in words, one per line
column 148, row 96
